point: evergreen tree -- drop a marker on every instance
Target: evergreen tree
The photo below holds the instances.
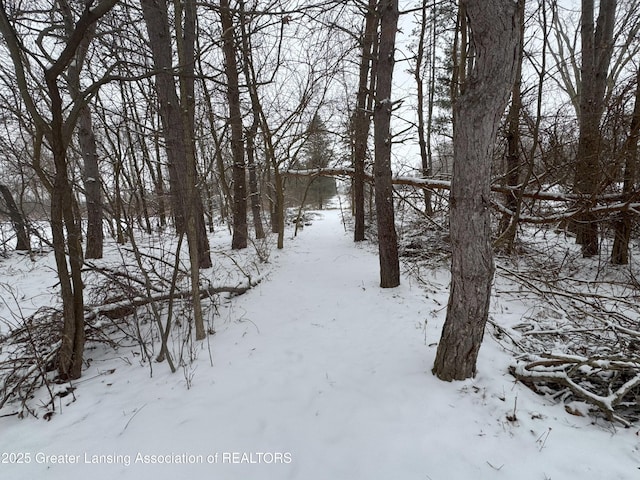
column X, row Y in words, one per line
column 318, row 155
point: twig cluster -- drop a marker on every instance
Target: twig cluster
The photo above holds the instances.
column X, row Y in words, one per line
column 142, row 299
column 25, row 367
column 583, row 341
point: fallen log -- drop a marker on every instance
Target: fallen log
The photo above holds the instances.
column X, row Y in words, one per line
column 614, row 202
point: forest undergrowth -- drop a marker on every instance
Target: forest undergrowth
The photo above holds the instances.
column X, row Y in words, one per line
column 136, row 298
column 578, row 340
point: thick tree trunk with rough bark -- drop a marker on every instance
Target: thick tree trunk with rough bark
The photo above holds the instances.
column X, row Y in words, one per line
column 597, row 48
column 387, row 237
column 495, row 34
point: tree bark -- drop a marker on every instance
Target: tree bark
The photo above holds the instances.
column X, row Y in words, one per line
column 361, row 121
column 240, row 231
column 387, row 237
column 186, row 36
column 180, row 155
column 253, row 181
column 624, row 225
column 17, row 219
column 86, row 142
column 495, row 35
column 597, row 48
column 252, row 132
column 508, row 224
column 421, row 127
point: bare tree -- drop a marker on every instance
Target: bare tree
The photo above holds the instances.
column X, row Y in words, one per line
column 513, row 158
column 65, row 225
column 252, row 131
column 597, row 48
column 86, row 141
column 387, row 237
column 423, row 126
column 17, row 219
column 362, row 118
column 495, row 35
column 240, row 232
column 623, row 226
column 176, row 128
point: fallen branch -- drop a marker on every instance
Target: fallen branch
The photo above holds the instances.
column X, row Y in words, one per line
column 569, row 371
column 437, row 184
column 123, row 307
column 615, row 202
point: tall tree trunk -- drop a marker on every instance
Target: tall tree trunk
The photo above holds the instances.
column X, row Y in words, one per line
column 157, row 23
column 253, row 180
column 17, row 219
column 240, row 231
column 179, row 146
column 177, row 119
column 622, row 233
column 597, row 48
column 431, row 101
column 252, row 132
column 92, row 185
column 495, row 34
column 387, row 237
column 86, row 141
column 362, row 119
column 417, row 75
column 63, row 221
column 508, row 224
column 186, row 35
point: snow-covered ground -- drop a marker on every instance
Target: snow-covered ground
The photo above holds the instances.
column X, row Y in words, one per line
column 317, row 374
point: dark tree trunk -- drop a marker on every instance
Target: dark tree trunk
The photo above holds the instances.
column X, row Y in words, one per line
column 186, row 35
column 597, row 48
column 17, row 220
column 421, row 127
column 157, row 22
column 361, row 121
column 387, row 237
column 92, row 185
column 86, row 142
column 508, row 223
column 495, row 30
column 180, row 156
column 65, row 226
column 240, row 231
column 253, row 181
column 252, row 132
column 622, row 232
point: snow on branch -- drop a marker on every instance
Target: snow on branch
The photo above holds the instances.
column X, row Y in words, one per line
column 580, row 343
column 575, row 373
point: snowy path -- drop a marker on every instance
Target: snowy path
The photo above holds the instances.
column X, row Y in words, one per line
column 321, row 366
column 326, row 362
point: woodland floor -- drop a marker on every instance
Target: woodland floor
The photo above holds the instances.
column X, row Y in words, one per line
column 318, row 366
